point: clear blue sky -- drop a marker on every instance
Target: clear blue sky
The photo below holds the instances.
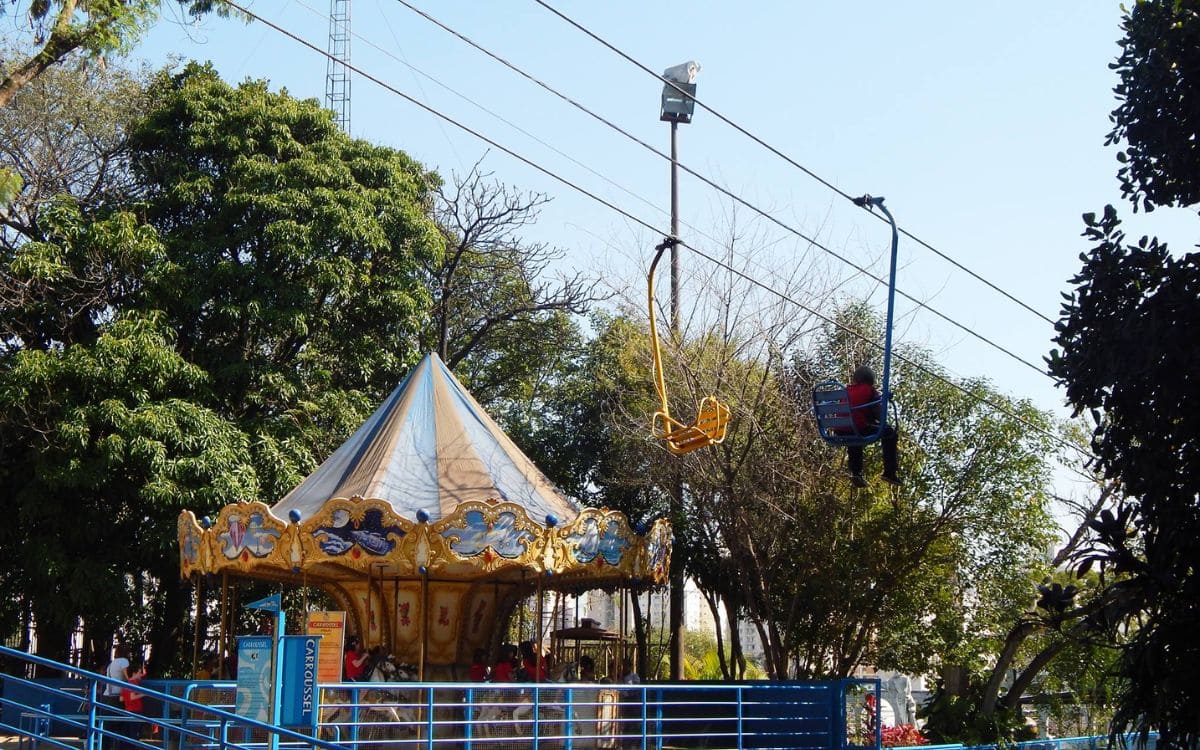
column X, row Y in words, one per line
column 982, row 123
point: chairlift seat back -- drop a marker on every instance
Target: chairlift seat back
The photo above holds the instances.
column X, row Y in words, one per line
column 835, row 418
column 712, row 421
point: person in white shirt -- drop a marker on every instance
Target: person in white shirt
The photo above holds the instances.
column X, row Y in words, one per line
column 118, row 669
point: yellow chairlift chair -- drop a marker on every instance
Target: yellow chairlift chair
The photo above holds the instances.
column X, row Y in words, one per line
column 712, row 418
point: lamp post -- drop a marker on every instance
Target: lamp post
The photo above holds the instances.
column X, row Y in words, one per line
column 678, row 103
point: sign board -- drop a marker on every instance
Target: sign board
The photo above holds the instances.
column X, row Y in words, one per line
column 298, row 707
column 254, row 678
column 332, row 627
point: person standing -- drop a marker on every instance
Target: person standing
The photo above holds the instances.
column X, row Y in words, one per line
column 135, row 702
column 118, row 669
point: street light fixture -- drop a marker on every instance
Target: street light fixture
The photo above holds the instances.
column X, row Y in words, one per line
column 679, row 94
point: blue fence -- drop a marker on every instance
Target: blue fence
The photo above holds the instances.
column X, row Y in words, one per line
column 835, row 715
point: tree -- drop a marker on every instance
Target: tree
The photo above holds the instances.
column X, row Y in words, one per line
column 496, row 318
column 104, row 440
column 771, row 531
column 1122, row 362
column 93, row 28
column 223, row 329
column 1158, row 117
column 294, row 260
column 64, row 135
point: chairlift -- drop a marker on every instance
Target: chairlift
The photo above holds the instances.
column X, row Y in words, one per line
column 712, row 417
column 831, row 399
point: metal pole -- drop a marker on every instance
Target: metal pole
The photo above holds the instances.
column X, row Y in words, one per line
column 674, row 232
column 424, row 622
column 677, row 579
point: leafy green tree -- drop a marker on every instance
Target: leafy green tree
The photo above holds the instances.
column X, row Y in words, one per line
column 89, row 28
column 1158, row 116
column 294, row 255
column 1121, row 361
column 104, row 440
column 264, row 292
column 1124, row 362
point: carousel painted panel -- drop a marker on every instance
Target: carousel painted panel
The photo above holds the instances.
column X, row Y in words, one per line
column 600, row 538
column 445, row 618
column 406, row 615
column 194, row 553
column 490, row 537
column 247, row 536
column 479, row 612
column 357, row 533
column 655, row 563
column 366, row 609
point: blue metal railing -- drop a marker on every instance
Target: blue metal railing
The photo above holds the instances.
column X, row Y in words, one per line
column 380, row 716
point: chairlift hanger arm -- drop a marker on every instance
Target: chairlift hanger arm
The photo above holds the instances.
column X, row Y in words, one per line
column 712, row 417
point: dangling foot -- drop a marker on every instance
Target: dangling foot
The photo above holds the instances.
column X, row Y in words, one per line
column 892, row 479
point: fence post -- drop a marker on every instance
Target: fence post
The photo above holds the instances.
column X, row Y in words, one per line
column 568, row 721
column 429, row 721
column 740, row 696
column 469, row 717
column 837, row 715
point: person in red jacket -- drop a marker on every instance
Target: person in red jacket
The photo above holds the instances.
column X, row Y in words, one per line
column 866, row 420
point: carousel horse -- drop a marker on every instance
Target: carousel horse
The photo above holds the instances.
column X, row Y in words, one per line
column 381, row 714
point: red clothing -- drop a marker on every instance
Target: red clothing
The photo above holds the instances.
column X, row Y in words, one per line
column 131, row 698
column 502, row 672
column 478, row 673
column 536, row 669
column 354, row 666
column 866, row 419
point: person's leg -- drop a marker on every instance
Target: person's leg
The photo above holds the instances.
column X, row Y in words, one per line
column 891, row 459
column 854, row 456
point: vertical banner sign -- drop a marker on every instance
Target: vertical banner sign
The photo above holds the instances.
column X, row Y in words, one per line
column 332, row 626
column 299, row 706
column 254, row 675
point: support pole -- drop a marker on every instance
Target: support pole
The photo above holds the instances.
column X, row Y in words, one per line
column 424, row 622
column 676, row 502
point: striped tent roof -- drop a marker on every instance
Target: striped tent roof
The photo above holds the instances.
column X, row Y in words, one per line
column 429, row 447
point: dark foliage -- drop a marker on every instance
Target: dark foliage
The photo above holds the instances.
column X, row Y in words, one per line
column 1159, row 116
column 1129, row 360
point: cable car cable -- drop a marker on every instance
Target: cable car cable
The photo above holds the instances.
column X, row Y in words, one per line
column 712, row 259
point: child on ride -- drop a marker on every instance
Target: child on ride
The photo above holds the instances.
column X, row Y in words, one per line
column 866, row 420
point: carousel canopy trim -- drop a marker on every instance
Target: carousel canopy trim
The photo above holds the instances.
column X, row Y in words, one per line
column 430, row 446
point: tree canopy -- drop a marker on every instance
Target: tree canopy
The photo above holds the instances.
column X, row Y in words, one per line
column 206, row 338
column 1125, row 362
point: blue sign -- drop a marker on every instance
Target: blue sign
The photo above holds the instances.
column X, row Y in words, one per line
column 272, row 603
column 254, row 678
column 299, row 699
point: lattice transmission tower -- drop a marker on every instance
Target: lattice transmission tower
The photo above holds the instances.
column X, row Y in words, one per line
column 337, row 74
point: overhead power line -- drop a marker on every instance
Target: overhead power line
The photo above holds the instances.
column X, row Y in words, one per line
column 788, row 159
column 722, row 189
column 712, row 259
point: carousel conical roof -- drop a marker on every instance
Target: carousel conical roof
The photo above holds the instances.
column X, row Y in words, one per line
column 429, row 447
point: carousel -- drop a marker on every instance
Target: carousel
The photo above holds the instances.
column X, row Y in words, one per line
column 429, row 528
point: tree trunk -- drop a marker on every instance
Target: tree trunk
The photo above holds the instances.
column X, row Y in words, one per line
column 61, row 43
column 639, row 634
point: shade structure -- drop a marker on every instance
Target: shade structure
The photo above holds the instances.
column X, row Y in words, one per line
column 428, row 526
